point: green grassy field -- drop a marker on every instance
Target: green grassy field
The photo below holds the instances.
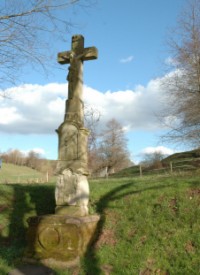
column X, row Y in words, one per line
column 149, row 225
column 10, row 173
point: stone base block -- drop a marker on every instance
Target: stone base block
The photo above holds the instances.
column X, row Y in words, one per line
column 72, row 211
column 58, row 240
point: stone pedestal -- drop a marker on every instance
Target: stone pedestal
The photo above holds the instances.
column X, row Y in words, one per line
column 59, row 240
column 72, row 194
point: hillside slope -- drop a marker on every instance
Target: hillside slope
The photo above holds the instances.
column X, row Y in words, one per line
column 189, row 160
column 14, row 173
column 182, row 156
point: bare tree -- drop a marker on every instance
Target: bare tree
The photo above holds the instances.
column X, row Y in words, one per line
column 92, row 118
column 182, row 85
column 27, row 29
column 112, row 150
column 13, row 156
column 153, row 160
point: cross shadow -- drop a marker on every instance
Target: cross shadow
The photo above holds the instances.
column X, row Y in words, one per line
column 26, row 198
column 26, row 201
column 91, row 262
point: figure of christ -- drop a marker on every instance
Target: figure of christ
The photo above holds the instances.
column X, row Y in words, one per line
column 75, row 76
column 75, row 58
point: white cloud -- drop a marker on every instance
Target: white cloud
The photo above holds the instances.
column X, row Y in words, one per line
column 9, row 115
column 40, row 109
column 127, row 59
column 33, row 108
column 159, row 149
column 39, row 151
column 171, row 61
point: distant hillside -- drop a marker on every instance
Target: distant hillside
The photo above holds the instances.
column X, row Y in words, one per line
column 17, row 174
column 189, row 160
column 127, row 172
column 182, row 156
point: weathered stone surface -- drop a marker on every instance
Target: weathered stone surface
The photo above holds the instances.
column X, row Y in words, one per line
column 72, row 189
column 72, row 152
column 72, row 166
column 74, row 112
column 59, row 238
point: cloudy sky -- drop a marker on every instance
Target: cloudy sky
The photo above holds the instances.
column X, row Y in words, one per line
column 123, row 83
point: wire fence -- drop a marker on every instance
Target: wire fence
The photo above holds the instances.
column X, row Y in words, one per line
column 166, row 168
column 177, row 166
column 26, row 178
column 170, row 168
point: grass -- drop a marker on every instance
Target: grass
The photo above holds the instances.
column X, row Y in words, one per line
column 149, row 225
column 10, row 173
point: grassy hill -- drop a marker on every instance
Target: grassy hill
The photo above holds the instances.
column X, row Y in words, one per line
column 17, row 174
column 189, row 160
column 182, row 156
column 148, row 225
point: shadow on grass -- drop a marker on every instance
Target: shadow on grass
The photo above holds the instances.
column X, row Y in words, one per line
column 91, row 261
column 31, row 200
column 26, row 201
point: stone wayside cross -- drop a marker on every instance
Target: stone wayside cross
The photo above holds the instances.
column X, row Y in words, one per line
column 61, row 238
column 72, row 191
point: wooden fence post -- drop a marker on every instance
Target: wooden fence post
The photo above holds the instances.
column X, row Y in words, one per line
column 171, row 167
column 47, row 176
column 140, row 170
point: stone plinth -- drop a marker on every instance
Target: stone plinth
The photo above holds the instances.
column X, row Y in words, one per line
column 72, row 194
column 59, row 240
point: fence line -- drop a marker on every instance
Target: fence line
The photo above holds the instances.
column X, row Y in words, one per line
column 25, row 178
column 172, row 166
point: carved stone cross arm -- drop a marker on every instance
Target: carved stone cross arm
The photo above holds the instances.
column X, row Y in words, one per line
column 90, row 53
column 87, row 54
column 64, row 57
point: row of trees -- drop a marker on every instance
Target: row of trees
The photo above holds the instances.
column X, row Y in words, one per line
column 31, row 160
column 108, row 152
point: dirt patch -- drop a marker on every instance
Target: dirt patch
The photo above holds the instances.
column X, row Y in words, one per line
column 149, row 271
column 173, row 205
column 146, row 271
column 189, row 247
column 107, row 237
column 194, row 193
column 112, row 216
column 132, row 233
column 3, row 207
column 107, row 269
column 143, row 239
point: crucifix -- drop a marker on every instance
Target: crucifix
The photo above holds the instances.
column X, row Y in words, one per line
column 67, row 234
column 75, row 58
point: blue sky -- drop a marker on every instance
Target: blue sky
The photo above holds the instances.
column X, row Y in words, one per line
column 123, row 83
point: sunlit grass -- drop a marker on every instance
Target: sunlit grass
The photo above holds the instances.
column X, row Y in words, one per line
column 149, row 224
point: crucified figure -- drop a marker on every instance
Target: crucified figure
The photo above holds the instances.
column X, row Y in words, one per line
column 75, row 58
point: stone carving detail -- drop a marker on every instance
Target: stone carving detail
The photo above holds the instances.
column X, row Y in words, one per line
column 57, row 240
column 47, row 242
